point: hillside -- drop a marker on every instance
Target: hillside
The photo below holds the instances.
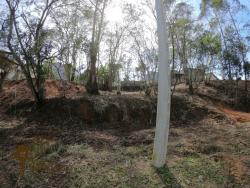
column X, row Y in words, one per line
column 107, row 140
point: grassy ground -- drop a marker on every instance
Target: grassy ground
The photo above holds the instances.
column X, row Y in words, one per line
column 206, row 149
column 193, row 161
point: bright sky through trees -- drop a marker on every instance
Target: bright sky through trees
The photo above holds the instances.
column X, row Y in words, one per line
column 114, row 12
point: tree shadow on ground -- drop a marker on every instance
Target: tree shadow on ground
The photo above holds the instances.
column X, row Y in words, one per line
column 168, row 177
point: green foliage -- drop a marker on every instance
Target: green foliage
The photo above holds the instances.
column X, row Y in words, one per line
column 87, row 12
column 234, row 54
column 210, row 43
column 217, row 4
column 167, row 177
column 213, row 4
column 83, row 78
column 106, row 73
column 182, row 22
column 194, row 171
column 111, row 168
column 103, row 74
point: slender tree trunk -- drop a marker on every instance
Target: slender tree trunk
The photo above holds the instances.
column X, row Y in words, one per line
column 246, row 80
column 164, row 94
column 225, row 44
column 119, row 83
column 190, row 84
column 92, row 86
column 173, row 50
column 242, row 54
column 73, row 69
column 110, row 76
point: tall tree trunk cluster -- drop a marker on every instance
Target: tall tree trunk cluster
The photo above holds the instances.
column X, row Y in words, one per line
column 97, row 29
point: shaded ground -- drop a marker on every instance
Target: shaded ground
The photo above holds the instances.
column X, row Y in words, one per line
column 208, row 145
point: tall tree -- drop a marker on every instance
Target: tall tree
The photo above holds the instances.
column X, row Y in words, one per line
column 208, row 48
column 114, row 42
column 97, row 29
column 70, row 34
column 27, row 40
column 143, row 41
column 183, row 27
column 224, row 12
column 164, row 94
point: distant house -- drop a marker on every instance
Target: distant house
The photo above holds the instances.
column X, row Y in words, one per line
column 15, row 74
column 8, row 65
column 132, row 85
column 15, row 71
column 177, row 77
column 64, row 71
column 195, row 74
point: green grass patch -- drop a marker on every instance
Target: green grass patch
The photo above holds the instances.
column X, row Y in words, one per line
column 167, row 177
column 114, row 168
column 196, row 171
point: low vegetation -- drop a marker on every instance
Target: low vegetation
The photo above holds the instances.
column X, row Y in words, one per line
column 208, row 150
column 89, row 88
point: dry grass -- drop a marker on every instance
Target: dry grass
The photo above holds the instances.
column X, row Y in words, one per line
column 206, row 149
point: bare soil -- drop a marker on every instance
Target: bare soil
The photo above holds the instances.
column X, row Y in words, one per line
column 18, row 91
column 107, row 140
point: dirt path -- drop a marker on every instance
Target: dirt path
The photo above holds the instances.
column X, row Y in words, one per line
column 237, row 116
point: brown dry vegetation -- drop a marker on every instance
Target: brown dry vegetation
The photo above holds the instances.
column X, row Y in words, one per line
column 107, row 140
column 18, row 91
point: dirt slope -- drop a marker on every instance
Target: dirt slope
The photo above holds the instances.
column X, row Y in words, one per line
column 208, row 147
column 17, row 91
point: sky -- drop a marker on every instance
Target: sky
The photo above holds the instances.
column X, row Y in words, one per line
column 114, row 12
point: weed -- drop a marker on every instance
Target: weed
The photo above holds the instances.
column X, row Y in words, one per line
column 194, row 171
column 167, row 177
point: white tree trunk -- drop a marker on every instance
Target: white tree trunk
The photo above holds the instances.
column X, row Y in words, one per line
column 164, row 93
